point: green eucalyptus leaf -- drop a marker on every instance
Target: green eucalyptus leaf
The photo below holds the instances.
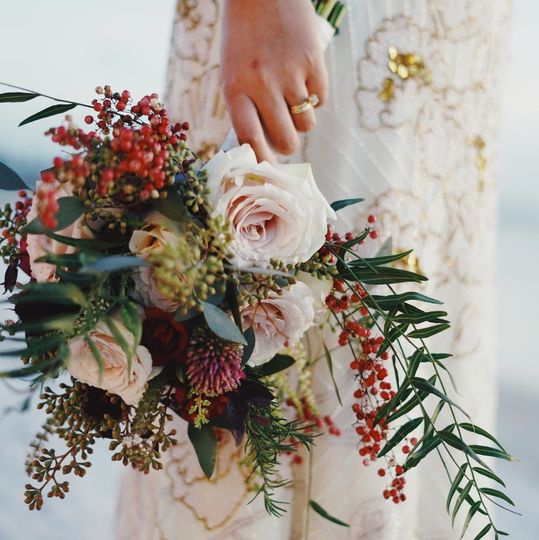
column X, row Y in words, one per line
column 204, row 442
column 113, row 263
column 221, row 324
column 399, row 435
column 278, row 363
column 329, row 362
column 249, row 336
column 17, row 97
column 339, row 205
column 10, row 180
column 326, row 515
column 69, row 210
column 172, row 206
column 53, row 110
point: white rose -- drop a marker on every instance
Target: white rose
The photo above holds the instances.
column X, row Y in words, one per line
column 279, row 321
column 275, row 211
column 116, row 378
column 158, row 232
column 40, row 244
column 320, row 288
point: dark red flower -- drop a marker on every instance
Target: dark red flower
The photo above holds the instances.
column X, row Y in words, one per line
column 165, row 338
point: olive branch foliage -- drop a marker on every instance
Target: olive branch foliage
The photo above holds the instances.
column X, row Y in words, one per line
column 91, row 285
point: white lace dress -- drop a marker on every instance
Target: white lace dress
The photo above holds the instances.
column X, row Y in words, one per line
column 411, row 126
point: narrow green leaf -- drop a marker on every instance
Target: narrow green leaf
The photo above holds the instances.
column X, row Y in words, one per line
column 491, row 452
column 455, row 485
column 62, row 323
column 132, row 320
column 399, row 435
column 496, row 493
column 278, row 363
column 418, row 454
column 391, row 300
column 473, row 509
column 49, row 111
column 453, row 440
column 38, row 367
column 204, row 442
column 422, row 316
column 426, row 386
column 17, row 97
column 460, row 500
column 124, row 345
column 96, row 354
column 329, row 362
column 483, row 532
column 320, row 511
column 339, row 205
column 221, row 324
column 422, row 333
column 9, row 179
column 480, row 431
column 489, row 474
column 53, row 293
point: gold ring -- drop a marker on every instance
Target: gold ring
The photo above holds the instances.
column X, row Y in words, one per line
column 311, row 101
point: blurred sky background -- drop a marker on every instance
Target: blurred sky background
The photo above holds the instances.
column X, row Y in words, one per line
column 65, row 48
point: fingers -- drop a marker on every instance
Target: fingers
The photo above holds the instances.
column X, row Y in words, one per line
column 277, row 121
column 317, row 83
column 248, row 127
column 306, row 120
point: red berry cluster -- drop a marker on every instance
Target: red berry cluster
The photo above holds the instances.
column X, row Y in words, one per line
column 13, row 220
column 305, row 412
column 47, row 200
column 130, row 157
column 141, row 144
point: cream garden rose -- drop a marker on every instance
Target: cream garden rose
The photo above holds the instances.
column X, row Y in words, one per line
column 279, row 321
column 276, row 211
column 158, row 232
column 116, row 378
column 40, row 244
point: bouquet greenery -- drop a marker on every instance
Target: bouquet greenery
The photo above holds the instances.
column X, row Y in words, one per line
column 166, row 286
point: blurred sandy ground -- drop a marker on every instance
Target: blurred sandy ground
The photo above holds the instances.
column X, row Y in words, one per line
column 66, row 48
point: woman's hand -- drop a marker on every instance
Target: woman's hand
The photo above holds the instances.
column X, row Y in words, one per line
column 271, row 60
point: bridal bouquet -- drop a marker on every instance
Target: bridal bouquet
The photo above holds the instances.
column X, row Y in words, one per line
column 157, row 285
